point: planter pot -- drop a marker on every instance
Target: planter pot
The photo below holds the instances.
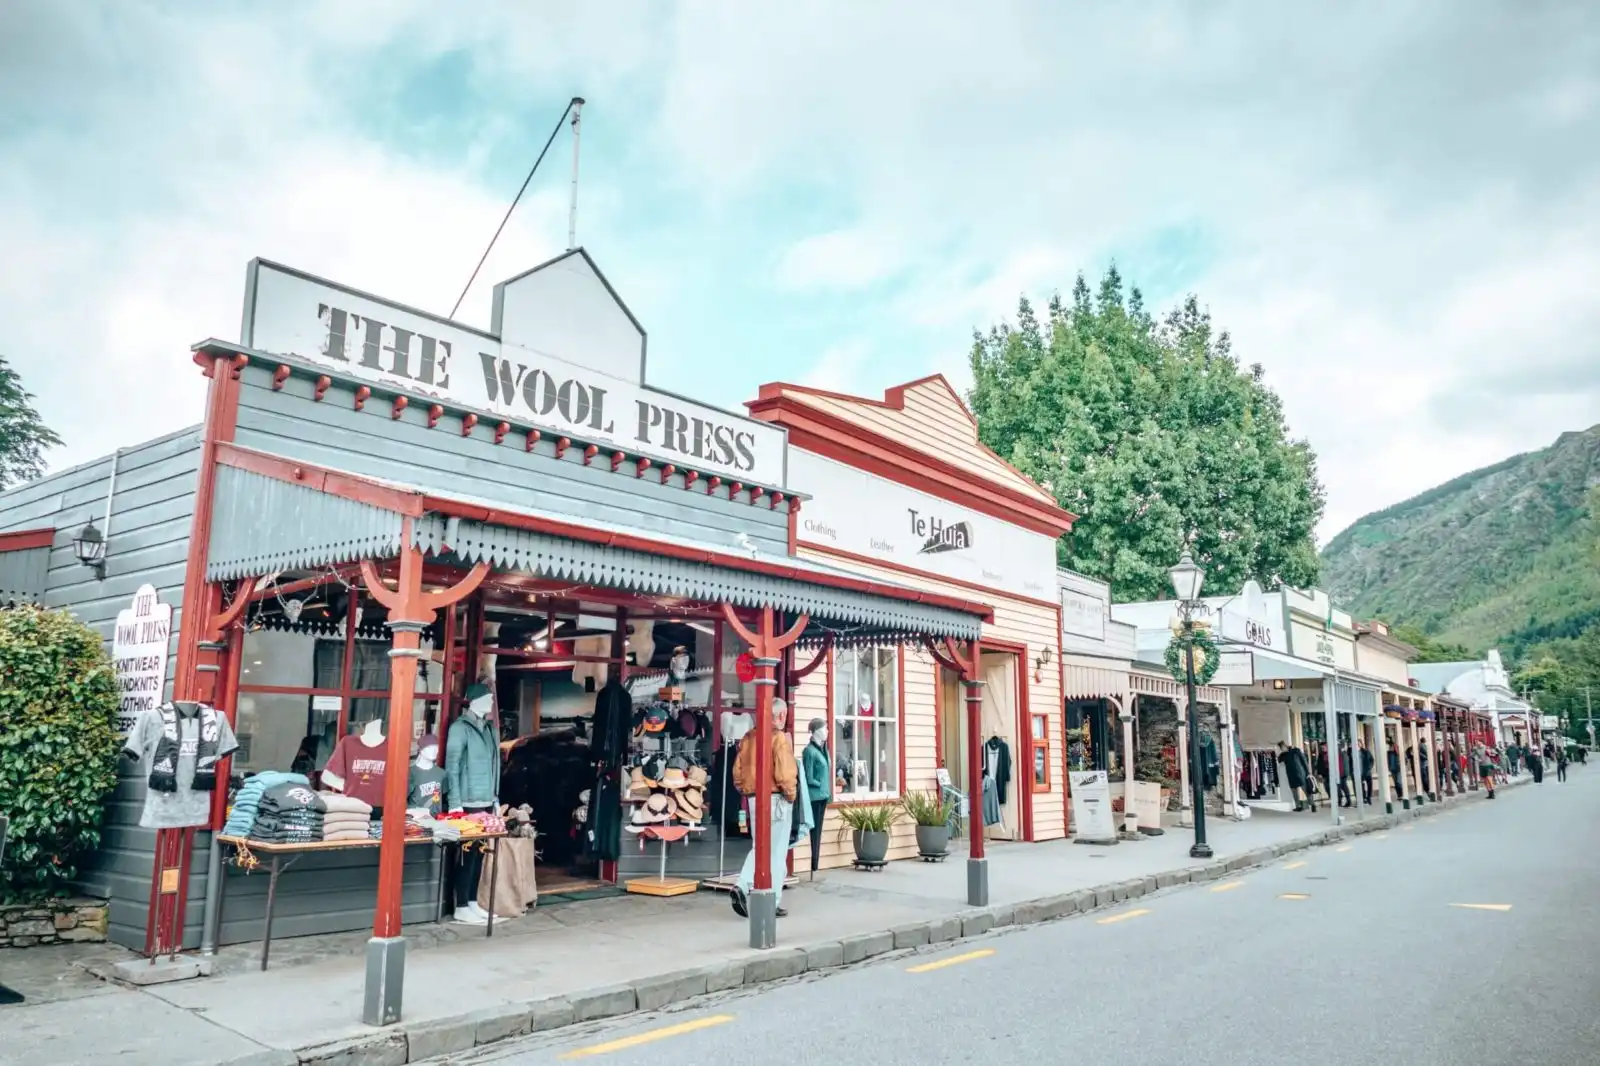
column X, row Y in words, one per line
column 870, row 847
column 933, row 839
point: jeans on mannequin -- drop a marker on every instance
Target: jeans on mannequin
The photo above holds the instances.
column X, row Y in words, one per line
column 469, row 871
column 819, row 808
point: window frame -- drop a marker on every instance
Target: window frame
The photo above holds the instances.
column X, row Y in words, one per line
column 836, row 716
column 1039, row 737
column 345, row 691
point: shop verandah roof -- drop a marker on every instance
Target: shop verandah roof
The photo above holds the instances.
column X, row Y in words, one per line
column 273, row 514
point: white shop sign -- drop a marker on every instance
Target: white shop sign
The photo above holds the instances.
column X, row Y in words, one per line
column 287, row 313
column 1091, row 805
column 1082, row 614
column 873, row 517
column 1147, row 804
column 139, row 656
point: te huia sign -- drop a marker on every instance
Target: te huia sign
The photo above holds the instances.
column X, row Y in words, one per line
column 558, row 392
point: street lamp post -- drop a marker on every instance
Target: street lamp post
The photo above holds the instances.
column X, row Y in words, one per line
column 1186, row 581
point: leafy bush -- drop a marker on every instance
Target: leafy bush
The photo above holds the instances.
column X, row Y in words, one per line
column 928, row 808
column 58, row 747
column 872, row 818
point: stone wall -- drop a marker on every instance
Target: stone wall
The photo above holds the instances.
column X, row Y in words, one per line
column 57, row 921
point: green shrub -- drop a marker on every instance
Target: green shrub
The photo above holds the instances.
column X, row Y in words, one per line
column 58, row 747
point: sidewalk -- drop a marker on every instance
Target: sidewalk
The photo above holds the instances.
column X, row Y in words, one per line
column 579, row 962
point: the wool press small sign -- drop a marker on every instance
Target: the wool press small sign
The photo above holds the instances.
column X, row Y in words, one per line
column 139, row 654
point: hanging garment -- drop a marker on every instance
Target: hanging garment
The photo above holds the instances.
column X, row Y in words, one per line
column 997, row 766
column 603, row 829
column 1211, row 764
column 991, row 801
column 613, row 722
column 582, row 672
column 188, row 802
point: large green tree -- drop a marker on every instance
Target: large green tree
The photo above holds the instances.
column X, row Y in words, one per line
column 1154, row 436
column 23, row 434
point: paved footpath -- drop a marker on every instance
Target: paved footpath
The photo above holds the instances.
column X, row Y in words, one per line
column 580, row 963
column 1463, row 938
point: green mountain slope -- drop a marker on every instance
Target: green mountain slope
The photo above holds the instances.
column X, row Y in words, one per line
column 1504, row 555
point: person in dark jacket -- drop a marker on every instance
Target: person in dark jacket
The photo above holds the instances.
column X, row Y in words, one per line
column 1536, row 765
column 1561, row 762
column 1366, row 772
column 1297, row 772
column 1396, row 782
column 1347, row 781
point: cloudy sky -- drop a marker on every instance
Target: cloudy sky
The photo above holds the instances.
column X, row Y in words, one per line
column 1395, row 207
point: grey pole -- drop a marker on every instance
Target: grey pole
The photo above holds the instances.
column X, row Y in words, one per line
column 1330, row 743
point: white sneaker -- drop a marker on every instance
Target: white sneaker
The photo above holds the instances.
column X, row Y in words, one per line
column 465, row 916
column 479, row 911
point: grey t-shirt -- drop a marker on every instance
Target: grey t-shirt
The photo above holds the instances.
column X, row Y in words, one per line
column 427, row 789
column 185, row 807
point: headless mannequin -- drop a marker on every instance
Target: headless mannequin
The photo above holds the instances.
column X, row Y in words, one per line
column 469, row 865
column 372, row 736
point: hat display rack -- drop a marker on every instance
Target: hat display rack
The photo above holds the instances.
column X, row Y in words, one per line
column 664, row 783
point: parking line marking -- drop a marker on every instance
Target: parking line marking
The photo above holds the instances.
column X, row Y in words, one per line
column 951, row 961
column 1294, row 895
column 1345, row 847
column 1502, row 907
column 1229, row 887
column 1124, row 916
column 1295, row 865
column 1407, row 828
column 649, row 1037
column 1381, row 836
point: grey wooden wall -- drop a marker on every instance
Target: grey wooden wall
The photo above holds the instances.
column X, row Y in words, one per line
column 150, row 526
column 332, row 433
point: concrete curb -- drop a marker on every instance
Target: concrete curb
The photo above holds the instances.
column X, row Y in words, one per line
column 408, row 1043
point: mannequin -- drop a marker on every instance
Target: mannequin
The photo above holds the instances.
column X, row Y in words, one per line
column 426, row 791
column 356, row 767
column 472, row 783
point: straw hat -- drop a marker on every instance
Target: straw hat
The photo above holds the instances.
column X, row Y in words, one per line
column 697, row 776
column 691, row 805
column 674, row 778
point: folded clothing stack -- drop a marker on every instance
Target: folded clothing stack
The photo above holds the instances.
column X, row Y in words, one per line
column 347, row 818
column 247, row 801
column 289, row 814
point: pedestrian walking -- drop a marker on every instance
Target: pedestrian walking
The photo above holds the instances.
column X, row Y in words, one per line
column 785, row 789
column 1366, row 773
column 1561, row 763
column 1297, row 773
column 1536, row 765
column 1347, row 781
column 1486, row 768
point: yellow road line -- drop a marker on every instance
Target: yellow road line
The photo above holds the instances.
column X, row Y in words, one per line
column 1124, row 916
column 1407, row 828
column 1229, row 887
column 951, row 961
column 649, row 1037
column 1294, row 895
column 1483, row 906
column 1295, row 865
column 1381, row 836
column 1345, row 847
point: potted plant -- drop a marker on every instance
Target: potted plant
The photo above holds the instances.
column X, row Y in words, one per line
column 869, row 827
column 930, row 812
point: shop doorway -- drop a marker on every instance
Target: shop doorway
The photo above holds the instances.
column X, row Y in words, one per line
column 1005, row 760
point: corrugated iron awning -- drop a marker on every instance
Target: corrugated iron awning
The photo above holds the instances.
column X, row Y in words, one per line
column 262, row 524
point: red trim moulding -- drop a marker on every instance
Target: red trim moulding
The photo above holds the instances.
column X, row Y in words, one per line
column 836, row 438
column 23, row 539
column 900, row 711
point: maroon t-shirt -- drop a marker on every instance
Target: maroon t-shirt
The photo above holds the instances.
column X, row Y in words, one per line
column 361, row 768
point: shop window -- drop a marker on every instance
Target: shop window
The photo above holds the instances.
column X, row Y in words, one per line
column 866, row 723
column 1040, row 755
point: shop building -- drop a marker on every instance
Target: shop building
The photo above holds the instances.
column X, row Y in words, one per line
column 1485, row 686
column 1124, row 712
column 902, row 490
column 386, row 518
column 1411, row 727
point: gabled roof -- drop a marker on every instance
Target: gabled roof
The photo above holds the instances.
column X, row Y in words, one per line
column 927, row 424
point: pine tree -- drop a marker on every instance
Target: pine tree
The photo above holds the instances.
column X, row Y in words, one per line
column 23, row 434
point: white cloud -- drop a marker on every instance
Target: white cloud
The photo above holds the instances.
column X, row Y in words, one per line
column 841, row 259
column 1395, row 203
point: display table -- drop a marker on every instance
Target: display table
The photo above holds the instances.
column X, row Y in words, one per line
column 281, row 856
column 661, row 884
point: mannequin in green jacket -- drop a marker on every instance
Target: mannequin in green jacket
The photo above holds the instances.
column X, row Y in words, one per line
column 818, row 771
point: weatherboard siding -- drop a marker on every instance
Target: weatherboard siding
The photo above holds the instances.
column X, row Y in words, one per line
column 290, row 422
column 151, row 518
column 932, row 421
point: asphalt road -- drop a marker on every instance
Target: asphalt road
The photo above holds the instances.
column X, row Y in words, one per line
column 1351, row 954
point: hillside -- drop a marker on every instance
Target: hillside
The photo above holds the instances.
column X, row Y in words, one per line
column 1508, row 555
